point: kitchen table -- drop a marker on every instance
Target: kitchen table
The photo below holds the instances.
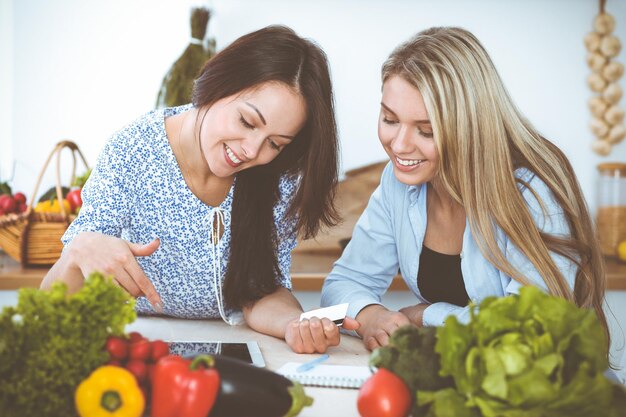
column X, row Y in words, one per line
column 328, row 402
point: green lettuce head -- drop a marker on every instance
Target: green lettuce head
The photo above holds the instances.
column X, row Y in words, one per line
column 528, row 355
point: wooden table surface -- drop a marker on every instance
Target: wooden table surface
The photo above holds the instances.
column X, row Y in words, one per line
column 307, row 272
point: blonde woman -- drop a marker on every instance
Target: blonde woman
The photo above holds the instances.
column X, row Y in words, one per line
column 474, row 202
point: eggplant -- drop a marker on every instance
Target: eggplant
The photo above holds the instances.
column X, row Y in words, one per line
column 250, row 391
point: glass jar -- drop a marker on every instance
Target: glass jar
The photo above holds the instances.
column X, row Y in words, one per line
column 611, row 207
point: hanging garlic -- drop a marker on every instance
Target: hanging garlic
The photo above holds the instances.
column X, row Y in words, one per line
column 599, row 127
column 592, row 41
column 614, row 115
column 607, row 123
column 596, row 82
column 612, row 93
column 613, row 71
column 596, row 61
column 604, row 23
column 610, row 46
column 597, row 106
column 617, row 134
column 601, row 147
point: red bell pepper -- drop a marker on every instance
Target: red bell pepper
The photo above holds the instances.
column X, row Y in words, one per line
column 181, row 387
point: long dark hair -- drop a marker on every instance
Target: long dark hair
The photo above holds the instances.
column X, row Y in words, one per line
column 275, row 54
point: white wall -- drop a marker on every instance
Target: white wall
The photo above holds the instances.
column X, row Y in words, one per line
column 6, row 88
column 82, row 70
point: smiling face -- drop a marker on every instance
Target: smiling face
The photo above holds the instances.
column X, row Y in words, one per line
column 251, row 128
column 406, row 134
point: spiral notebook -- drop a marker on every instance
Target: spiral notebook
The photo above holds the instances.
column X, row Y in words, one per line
column 330, row 376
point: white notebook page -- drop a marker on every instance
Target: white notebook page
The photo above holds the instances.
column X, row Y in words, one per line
column 332, row 376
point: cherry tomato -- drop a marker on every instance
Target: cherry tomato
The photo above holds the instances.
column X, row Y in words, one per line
column 75, row 200
column 117, row 347
column 19, row 198
column 384, row 394
column 140, row 350
column 135, row 337
column 138, row 368
column 7, row 204
column 159, row 349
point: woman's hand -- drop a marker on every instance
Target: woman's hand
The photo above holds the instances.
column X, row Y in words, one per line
column 415, row 313
column 90, row 251
column 315, row 335
column 377, row 325
column 278, row 314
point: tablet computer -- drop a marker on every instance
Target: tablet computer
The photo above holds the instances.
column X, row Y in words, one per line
column 248, row 352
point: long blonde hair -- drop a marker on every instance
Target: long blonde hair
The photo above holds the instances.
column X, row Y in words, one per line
column 482, row 139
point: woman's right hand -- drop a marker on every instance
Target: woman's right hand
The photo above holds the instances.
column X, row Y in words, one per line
column 91, row 251
column 377, row 325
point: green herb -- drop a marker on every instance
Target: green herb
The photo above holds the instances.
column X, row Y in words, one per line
column 531, row 355
column 51, row 341
column 411, row 355
column 177, row 84
column 5, row 188
column 81, row 179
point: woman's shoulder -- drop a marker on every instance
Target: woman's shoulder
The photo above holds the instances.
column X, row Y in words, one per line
column 150, row 125
column 138, row 133
column 144, row 137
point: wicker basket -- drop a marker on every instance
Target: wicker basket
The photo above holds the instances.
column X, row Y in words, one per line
column 35, row 238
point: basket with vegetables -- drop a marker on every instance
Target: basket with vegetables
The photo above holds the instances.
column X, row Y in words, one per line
column 32, row 235
column 532, row 355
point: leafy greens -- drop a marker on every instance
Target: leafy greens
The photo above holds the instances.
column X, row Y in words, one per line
column 531, row 355
column 51, row 341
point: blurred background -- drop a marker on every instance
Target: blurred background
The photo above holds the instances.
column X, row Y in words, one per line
column 80, row 70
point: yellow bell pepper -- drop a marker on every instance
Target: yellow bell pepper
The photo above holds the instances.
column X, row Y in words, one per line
column 110, row 391
column 52, row 206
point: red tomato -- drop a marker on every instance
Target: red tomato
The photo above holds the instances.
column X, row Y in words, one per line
column 117, row 347
column 7, row 204
column 384, row 395
column 159, row 349
column 21, row 208
column 135, row 337
column 73, row 197
column 19, row 198
column 138, row 368
column 140, row 350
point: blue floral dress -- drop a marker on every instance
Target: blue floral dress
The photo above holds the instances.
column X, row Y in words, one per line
column 137, row 192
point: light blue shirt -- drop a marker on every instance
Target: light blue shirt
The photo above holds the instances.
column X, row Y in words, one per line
column 390, row 233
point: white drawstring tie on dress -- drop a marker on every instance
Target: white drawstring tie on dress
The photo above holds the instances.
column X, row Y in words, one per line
column 216, row 220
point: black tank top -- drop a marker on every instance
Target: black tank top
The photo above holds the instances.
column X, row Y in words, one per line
column 440, row 278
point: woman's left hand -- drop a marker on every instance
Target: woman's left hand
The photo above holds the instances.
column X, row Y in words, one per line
column 315, row 335
column 415, row 313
